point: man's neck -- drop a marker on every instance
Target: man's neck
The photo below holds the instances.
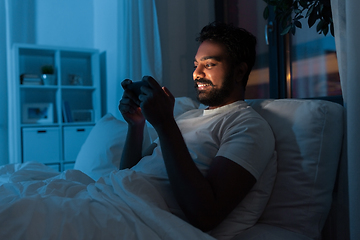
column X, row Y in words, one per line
column 226, row 103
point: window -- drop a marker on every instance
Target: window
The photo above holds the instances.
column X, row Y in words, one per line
column 299, row 66
column 315, row 71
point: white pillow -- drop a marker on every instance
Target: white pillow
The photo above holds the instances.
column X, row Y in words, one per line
column 101, row 152
column 183, row 104
column 308, row 140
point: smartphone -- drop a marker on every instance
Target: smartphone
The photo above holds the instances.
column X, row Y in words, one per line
column 135, row 87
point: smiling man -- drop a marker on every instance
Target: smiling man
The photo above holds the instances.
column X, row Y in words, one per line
column 212, row 75
column 223, row 63
column 209, row 158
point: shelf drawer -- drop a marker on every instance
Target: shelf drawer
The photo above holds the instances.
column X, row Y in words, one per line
column 41, row 145
column 74, row 138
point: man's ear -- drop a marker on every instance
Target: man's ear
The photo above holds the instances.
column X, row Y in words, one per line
column 240, row 71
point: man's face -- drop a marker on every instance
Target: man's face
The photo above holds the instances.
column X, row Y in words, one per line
column 212, row 74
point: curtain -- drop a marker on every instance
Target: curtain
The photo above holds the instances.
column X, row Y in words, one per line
column 139, row 51
column 347, row 38
column 138, row 47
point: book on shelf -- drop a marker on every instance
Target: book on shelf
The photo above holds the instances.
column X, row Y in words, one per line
column 30, row 79
column 64, row 112
column 67, row 112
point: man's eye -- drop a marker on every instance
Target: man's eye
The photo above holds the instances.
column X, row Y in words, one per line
column 209, row 65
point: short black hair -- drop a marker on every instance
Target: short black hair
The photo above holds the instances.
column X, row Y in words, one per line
column 240, row 44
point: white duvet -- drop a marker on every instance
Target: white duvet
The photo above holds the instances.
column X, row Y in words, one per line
column 37, row 202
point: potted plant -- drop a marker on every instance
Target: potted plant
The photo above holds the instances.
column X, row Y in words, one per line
column 48, row 76
column 289, row 12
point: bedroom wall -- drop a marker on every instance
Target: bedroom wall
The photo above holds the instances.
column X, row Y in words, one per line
column 105, row 39
column 3, row 89
column 180, row 22
column 65, row 23
column 93, row 24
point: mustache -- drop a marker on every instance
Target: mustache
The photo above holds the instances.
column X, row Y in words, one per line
column 204, row 81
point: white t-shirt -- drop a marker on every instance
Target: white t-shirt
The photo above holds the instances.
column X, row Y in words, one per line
column 234, row 131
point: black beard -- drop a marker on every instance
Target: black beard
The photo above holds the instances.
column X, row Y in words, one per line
column 215, row 97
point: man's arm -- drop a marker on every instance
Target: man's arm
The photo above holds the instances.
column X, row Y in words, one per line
column 132, row 150
column 206, row 201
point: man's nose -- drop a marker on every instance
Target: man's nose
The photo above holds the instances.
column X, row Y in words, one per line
column 198, row 72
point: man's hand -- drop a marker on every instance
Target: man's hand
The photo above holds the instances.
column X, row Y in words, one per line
column 157, row 103
column 129, row 106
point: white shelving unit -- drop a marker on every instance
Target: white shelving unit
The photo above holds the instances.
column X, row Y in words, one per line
column 41, row 127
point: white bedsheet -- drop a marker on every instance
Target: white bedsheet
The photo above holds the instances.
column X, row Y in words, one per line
column 37, row 202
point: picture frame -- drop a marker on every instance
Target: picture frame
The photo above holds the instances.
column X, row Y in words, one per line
column 37, row 113
column 83, row 115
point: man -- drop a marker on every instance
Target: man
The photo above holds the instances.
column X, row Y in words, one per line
column 211, row 157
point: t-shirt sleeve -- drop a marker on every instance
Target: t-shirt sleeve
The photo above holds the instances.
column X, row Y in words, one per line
column 248, row 142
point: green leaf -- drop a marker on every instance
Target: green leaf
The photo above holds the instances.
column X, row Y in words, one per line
column 286, row 30
column 327, row 14
column 312, row 19
column 284, row 23
column 317, row 8
column 303, row 3
column 297, row 11
column 266, row 13
column 320, row 26
column 332, row 29
column 309, row 11
column 325, row 29
column 298, row 24
column 288, row 16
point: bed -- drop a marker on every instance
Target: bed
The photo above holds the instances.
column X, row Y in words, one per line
column 96, row 201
